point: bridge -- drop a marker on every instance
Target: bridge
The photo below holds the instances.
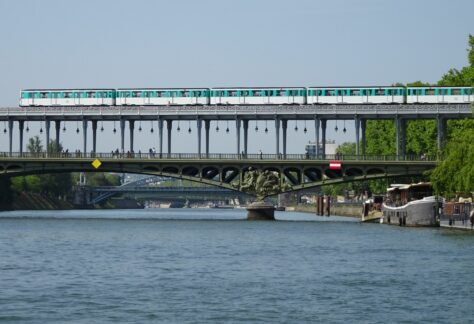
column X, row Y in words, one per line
column 148, row 186
column 230, row 171
column 240, row 114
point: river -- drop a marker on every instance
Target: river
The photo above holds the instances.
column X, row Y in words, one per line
column 210, row 265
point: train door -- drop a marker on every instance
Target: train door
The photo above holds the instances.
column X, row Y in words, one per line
column 441, row 94
column 465, row 94
column 365, row 95
column 338, row 94
column 241, row 95
column 77, row 99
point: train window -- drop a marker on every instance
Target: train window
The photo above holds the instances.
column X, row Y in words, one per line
column 380, row 92
column 456, row 92
column 232, row 93
column 43, row 95
column 136, row 94
column 467, row 91
column 90, row 94
column 430, row 92
column 67, row 94
column 329, row 93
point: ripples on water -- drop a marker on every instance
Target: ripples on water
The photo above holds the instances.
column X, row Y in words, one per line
column 164, row 265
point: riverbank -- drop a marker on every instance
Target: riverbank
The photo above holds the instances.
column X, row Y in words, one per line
column 346, row 209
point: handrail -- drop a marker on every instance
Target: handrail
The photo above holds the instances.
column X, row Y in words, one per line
column 215, row 156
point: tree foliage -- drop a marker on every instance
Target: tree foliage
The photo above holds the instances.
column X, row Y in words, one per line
column 456, row 172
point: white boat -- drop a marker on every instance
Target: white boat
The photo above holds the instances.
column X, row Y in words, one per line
column 410, row 205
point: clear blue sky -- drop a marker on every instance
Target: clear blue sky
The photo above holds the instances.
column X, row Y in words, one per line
column 76, row 44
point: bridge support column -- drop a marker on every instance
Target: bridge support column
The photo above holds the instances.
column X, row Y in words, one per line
column 199, row 128
column 284, row 127
column 246, row 135
column 57, row 126
column 94, row 136
column 84, row 135
column 398, row 122
column 357, row 134
column 317, row 124
column 323, row 138
column 237, row 126
column 46, row 131
column 363, row 124
column 21, row 125
column 122, row 135
column 207, row 126
column 403, row 137
column 169, row 124
column 131, row 125
column 10, row 137
column 441, row 131
column 277, row 137
column 160, row 136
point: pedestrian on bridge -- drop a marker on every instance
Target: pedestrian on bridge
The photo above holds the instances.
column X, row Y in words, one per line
column 261, row 154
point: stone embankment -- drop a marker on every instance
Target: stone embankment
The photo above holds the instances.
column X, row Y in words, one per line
column 345, row 209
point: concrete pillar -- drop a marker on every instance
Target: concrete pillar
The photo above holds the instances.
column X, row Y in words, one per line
column 122, row 135
column 397, row 136
column 363, row 124
column 323, row 138
column 237, row 126
column 403, row 137
column 317, row 124
column 57, row 126
column 277, row 137
column 94, row 136
column 10, row 137
column 207, row 126
column 169, row 124
column 199, row 127
column 357, row 132
column 284, row 127
column 46, row 131
column 131, row 125
column 84, row 135
column 160, row 137
column 246, row 135
column 21, row 125
column 441, row 129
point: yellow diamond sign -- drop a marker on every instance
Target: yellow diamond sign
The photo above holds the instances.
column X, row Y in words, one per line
column 96, row 163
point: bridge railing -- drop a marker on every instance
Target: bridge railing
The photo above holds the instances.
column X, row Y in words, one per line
column 215, row 156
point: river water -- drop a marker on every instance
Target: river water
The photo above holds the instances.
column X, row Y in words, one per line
column 210, row 265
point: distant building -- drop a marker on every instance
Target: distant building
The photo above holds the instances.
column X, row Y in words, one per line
column 331, row 147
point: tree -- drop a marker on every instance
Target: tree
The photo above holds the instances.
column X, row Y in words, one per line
column 456, row 172
column 34, row 145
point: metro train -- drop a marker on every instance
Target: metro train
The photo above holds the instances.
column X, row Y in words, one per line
column 244, row 96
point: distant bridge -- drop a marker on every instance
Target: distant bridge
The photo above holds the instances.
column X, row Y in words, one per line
column 296, row 171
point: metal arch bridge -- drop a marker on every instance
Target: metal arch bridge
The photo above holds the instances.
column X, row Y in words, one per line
column 228, row 171
column 190, row 193
column 145, row 185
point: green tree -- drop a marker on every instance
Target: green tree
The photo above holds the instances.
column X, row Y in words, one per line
column 456, row 172
column 34, row 145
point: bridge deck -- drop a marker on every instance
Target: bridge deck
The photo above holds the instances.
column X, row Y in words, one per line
column 230, row 112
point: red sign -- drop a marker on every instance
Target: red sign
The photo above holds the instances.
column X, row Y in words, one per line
column 335, row 165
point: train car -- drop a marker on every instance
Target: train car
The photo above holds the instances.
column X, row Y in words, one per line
column 163, row 97
column 439, row 94
column 67, row 97
column 257, row 96
column 356, row 95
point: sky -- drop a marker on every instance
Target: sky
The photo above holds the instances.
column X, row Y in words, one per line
column 218, row 43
